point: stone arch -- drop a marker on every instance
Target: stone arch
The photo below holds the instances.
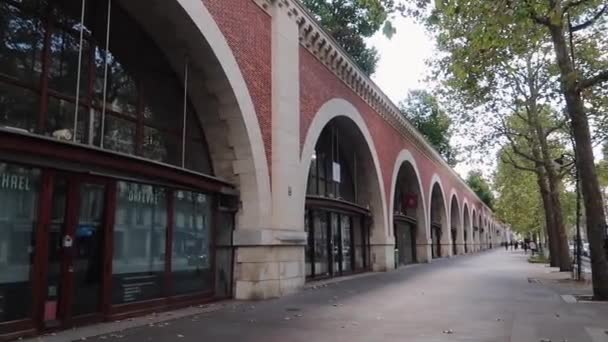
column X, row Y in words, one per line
column 405, row 167
column 456, row 227
column 372, row 192
column 438, row 215
column 217, row 88
column 475, row 229
column 468, row 227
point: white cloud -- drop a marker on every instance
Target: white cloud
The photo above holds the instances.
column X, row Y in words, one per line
column 402, row 58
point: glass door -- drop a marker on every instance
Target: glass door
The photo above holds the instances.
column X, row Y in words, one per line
column 75, row 250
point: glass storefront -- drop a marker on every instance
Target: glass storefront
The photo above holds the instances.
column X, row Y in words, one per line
column 84, row 243
column 337, row 243
column 405, row 241
column 191, row 261
column 52, row 85
column 140, row 230
column 19, row 193
column 161, row 244
column 338, row 240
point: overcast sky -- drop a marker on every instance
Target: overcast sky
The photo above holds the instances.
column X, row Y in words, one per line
column 402, row 68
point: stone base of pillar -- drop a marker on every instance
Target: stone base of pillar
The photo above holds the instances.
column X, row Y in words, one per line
column 460, row 248
column 423, row 253
column 383, row 257
column 263, row 272
column 446, row 250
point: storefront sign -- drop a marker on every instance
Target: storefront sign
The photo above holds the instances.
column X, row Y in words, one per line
column 135, row 288
column 12, row 181
column 142, row 194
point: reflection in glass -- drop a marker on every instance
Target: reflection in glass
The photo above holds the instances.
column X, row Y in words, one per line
column 119, row 135
column 191, row 261
column 139, row 242
column 18, row 107
column 346, row 244
column 60, row 124
column 19, row 188
column 63, row 69
column 88, row 256
column 22, row 38
column 320, row 243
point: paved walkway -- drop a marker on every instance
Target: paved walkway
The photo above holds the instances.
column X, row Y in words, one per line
column 492, row 296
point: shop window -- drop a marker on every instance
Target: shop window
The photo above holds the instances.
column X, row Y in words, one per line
column 144, row 99
column 22, row 32
column 139, row 242
column 18, row 107
column 19, row 188
column 330, row 174
column 191, row 260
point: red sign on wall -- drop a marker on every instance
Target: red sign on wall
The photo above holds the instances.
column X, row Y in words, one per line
column 410, row 201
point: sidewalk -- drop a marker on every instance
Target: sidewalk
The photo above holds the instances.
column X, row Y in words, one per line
column 491, row 296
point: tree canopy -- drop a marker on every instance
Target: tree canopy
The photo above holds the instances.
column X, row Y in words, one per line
column 481, row 187
column 424, row 111
column 351, row 21
column 519, row 201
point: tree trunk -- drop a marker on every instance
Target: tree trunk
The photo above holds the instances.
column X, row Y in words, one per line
column 549, row 223
column 585, row 162
column 542, row 152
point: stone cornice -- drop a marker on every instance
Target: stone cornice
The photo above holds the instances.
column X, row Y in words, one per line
column 320, row 44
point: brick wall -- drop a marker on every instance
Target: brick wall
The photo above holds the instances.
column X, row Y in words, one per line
column 319, row 85
column 247, row 28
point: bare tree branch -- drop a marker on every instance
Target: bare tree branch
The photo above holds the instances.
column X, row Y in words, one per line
column 595, row 80
column 573, row 3
column 591, row 21
column 512, row 161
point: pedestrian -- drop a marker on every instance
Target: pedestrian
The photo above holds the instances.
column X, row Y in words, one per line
column 532, row 247
column 524, row 245
column 516, row 245
column 511, row 244
column 506, row 244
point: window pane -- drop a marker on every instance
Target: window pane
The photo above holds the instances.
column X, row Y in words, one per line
column 139, row 242
column 63, row 69
column 160, row 146
column 346, row 244
column 191, row 262
column 119, row 135
column 18, row 107
column 22, row 38
column 18, row 215
column 60, row 122
column 121, row 93
column 163, row 100
column 197, row 158
column 320, row 243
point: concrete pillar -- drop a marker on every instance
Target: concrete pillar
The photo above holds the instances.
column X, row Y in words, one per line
column 270, row 260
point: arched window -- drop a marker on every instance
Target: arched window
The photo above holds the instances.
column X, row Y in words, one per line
column 46, row 73
column 331, row 168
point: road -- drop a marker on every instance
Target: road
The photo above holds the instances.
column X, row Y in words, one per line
column 491, row 296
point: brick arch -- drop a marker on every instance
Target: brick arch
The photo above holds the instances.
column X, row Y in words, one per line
column 423, row 233
column 467, row 224
column 457, row 210
column 444, row 214
column 216, row 86
column 341, row 109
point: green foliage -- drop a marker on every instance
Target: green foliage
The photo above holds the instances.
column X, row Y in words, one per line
column 481, row 187
column 518, row 202
column 424, row 111
column 350, row 21
column 602, row 168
